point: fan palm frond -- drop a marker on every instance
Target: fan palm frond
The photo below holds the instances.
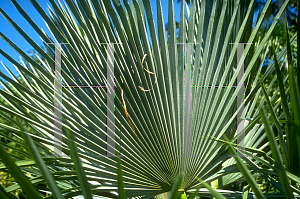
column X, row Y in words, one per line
column 174, row 125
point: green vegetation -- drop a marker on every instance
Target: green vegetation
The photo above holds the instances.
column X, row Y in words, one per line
column 150, row 133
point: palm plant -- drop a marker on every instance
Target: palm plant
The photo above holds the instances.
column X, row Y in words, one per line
column 150, row 123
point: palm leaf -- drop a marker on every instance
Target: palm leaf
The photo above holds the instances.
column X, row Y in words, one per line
column 154, row 142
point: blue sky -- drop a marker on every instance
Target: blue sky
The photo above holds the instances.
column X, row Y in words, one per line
column 13, row 34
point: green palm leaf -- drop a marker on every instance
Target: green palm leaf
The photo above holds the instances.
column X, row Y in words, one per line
column 154, row 142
